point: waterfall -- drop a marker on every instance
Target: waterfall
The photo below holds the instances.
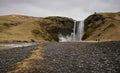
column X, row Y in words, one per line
column 78, row 31
column 74, row 31
column 81, row 27
column 76, row 35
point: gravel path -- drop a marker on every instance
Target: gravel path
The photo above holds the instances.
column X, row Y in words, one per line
column 8, row 57
column 80, row 58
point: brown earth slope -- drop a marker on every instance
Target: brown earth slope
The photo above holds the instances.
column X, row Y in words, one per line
column 16, row 28
column 102, row 27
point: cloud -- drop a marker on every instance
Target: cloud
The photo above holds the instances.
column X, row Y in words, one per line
column 76, row 9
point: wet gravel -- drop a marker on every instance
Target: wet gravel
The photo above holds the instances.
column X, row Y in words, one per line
column 9, row 57
column 80, row 58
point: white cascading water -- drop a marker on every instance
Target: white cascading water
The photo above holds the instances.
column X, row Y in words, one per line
column 76, row 35
column 81, row 30
column 13, row 45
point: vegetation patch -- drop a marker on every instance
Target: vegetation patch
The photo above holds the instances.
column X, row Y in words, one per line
column 29, row 64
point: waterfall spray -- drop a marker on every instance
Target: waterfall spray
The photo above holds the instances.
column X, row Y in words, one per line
column 77, row 34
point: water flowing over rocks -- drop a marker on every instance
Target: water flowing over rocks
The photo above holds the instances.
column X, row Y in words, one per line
column 13, row 45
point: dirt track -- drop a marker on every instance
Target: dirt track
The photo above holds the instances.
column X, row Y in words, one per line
column 8, row 57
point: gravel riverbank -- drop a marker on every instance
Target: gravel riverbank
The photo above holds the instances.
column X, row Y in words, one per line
column 8, row 57
column 81, row 57
column 74, row 57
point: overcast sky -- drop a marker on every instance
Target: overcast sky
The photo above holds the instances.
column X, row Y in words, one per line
column 76, row 9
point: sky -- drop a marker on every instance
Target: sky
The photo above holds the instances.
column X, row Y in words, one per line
column 76, row 9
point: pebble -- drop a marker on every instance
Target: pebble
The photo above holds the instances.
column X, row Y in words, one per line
column 81, row 57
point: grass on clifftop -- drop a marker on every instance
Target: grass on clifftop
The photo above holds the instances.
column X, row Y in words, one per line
column 102, row 27
column 17, row 28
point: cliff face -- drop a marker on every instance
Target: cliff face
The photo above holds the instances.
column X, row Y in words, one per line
column 16, row 28
column 102, row 27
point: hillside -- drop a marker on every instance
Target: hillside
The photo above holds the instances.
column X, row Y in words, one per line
column 19, row 28
column 102, row 27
